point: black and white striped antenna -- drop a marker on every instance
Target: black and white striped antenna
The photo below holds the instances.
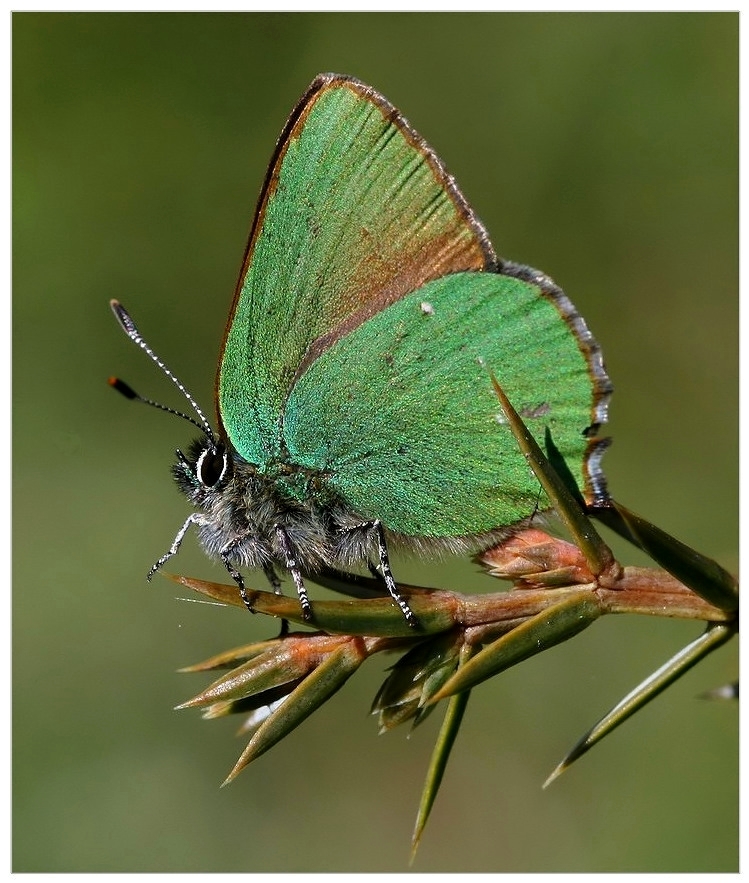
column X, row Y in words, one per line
column 130, row 328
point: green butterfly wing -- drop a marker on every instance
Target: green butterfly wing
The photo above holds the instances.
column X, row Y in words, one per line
column 356, row 212
column 367, row 317
column 402, row 416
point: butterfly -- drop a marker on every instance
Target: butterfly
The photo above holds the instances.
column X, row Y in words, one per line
column 354, row 399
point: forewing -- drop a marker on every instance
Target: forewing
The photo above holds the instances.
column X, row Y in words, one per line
column 355, row 213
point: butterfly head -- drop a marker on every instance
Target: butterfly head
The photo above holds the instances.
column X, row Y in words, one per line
column 204, row 470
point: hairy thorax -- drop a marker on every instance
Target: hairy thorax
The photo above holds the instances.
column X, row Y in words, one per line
column 244, row 513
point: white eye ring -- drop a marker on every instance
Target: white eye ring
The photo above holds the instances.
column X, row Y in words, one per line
column 201, row 467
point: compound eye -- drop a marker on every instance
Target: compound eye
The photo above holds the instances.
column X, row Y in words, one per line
column 212, row 466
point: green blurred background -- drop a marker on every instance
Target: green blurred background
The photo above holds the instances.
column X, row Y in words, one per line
column 601, row 148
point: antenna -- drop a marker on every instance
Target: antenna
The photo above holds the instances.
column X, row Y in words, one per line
column 130, row 393
column 130, row 328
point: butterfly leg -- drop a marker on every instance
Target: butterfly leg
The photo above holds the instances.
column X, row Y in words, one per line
column 235, row 574
column 376, row 528
column 272, row 577
column 293, row 568
column 239, row 580
column 195, row 518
